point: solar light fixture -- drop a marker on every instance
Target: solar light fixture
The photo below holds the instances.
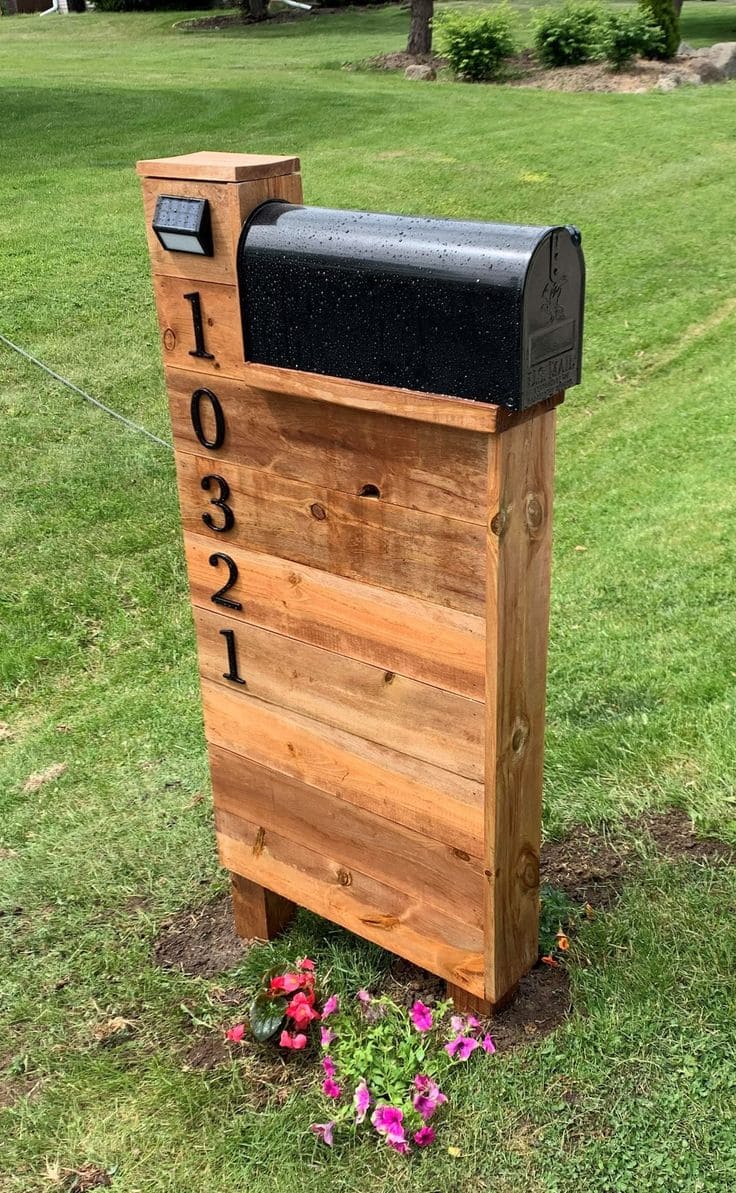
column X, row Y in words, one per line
column 183, row 225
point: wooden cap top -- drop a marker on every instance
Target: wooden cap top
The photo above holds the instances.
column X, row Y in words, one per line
column 219, row 167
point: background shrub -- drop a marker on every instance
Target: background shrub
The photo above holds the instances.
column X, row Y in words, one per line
column 568, row 34
column 628, row 33
column 476, row 44
column 149, row 5
column 662, row 14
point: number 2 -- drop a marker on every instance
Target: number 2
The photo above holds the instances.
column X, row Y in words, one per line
column 219, row 598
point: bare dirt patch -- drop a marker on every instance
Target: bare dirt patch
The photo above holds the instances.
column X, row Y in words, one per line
column 200, row 942
column 642, row 75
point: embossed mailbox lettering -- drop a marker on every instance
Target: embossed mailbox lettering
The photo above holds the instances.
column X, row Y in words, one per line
column 363, row 409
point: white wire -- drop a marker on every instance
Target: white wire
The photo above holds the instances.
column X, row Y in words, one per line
column 87, row 397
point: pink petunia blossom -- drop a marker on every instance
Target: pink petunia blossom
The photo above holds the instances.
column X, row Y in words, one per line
column 389, row 1122
column 461, row 1047
column 331, row 1088
column 235, row 1033
column 328, row 1065
column 399, row 1145
column 306, row 963
column 424, row 1136
column 421, row 1016
column 361, row 1101
column 326, row 1036
column 364, row 997
column 297, row 1041
column 487, row 1044
column 323, row 1131
column 428, row 1096
column 461, row 1023
column 332, row 1005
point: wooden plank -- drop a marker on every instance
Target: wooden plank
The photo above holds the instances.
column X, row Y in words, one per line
column 431, row 801
column 258, row 913
column 414, row 638
column 229, row 204
column 439, row 559
column 423, row 934
column 223, row 337
column 521, row 468
column 429, row 871
column 414, row 464
column 211, row 166
column 384, row 707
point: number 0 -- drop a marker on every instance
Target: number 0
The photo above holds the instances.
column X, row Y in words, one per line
column 195, row 410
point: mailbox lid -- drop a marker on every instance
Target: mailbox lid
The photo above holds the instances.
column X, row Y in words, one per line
column 438, row 306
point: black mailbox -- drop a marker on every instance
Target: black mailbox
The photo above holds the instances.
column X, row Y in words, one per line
column 491, row 312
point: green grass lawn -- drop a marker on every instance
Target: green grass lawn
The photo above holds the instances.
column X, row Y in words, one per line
column 98, row 664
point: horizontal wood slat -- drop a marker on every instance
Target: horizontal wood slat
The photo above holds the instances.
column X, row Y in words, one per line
column 413, row 718
column 431, row 801
column 439, row 559
column 410, row 464
column 406, row 860
column 388, row 629
column 392, row 919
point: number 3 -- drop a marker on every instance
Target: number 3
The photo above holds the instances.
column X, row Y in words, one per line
column 220, row 501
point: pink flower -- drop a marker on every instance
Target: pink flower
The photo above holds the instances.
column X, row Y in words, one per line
column 328, row 1065
column 286, row 983
column 424, row 1136
column 305, row 963
column 323, row 1131
column 428, row 1096
column 399, row 1145
column 389, row 1122
column 364, row 997
column 235, row 1033
column 487, row 1044
column 326, row 1036
column 332, row 1005
column 361, row 1101
column 461, row 1023
column 300, row 1009
column 461, row 1047
column 297, row 1042
column 331, row 1088
column 421, row 1016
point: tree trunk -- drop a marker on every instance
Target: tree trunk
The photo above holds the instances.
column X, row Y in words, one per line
column 10, row 8
column 677, row 5
column 258, row 10
column 420, row 30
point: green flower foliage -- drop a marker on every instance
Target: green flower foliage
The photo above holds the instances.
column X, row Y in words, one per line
column 662, row 13
column 568, row 34
column 626, row 34
column 476, row 44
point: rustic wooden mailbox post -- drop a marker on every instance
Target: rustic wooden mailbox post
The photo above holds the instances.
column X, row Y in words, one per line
column 363, row 410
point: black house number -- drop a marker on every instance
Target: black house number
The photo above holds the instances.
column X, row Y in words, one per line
column 199, row 346
column 232, row 672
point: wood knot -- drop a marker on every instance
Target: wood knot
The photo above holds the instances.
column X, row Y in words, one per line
column 520, row 735
column 344, row 877
column 169, row 340
column 389, row 676
column 500, row 521
column 318, row 511
column 461, row 854
column 534, row 513
column 527, row 869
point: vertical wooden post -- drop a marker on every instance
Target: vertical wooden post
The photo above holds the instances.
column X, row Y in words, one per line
column 233, row 184
column 520, row 482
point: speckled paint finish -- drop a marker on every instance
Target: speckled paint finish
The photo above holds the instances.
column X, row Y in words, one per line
column 489, row 312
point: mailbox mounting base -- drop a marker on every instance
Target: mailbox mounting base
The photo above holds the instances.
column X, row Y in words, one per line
column 259, row 913
column 472, row 1004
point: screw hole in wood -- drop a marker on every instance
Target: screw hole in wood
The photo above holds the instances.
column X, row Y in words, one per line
column 369, row 491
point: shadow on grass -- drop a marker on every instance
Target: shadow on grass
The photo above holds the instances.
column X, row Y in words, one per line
column 707, row 23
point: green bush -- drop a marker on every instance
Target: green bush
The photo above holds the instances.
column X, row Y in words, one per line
column 662, row 14
column 476, row 44
column 567, row 34
column 628, row 33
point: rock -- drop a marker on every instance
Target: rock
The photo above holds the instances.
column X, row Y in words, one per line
column 421, row 71
column 668, row 83
column 684, row 50
column 723, row 56
column 701, row 65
